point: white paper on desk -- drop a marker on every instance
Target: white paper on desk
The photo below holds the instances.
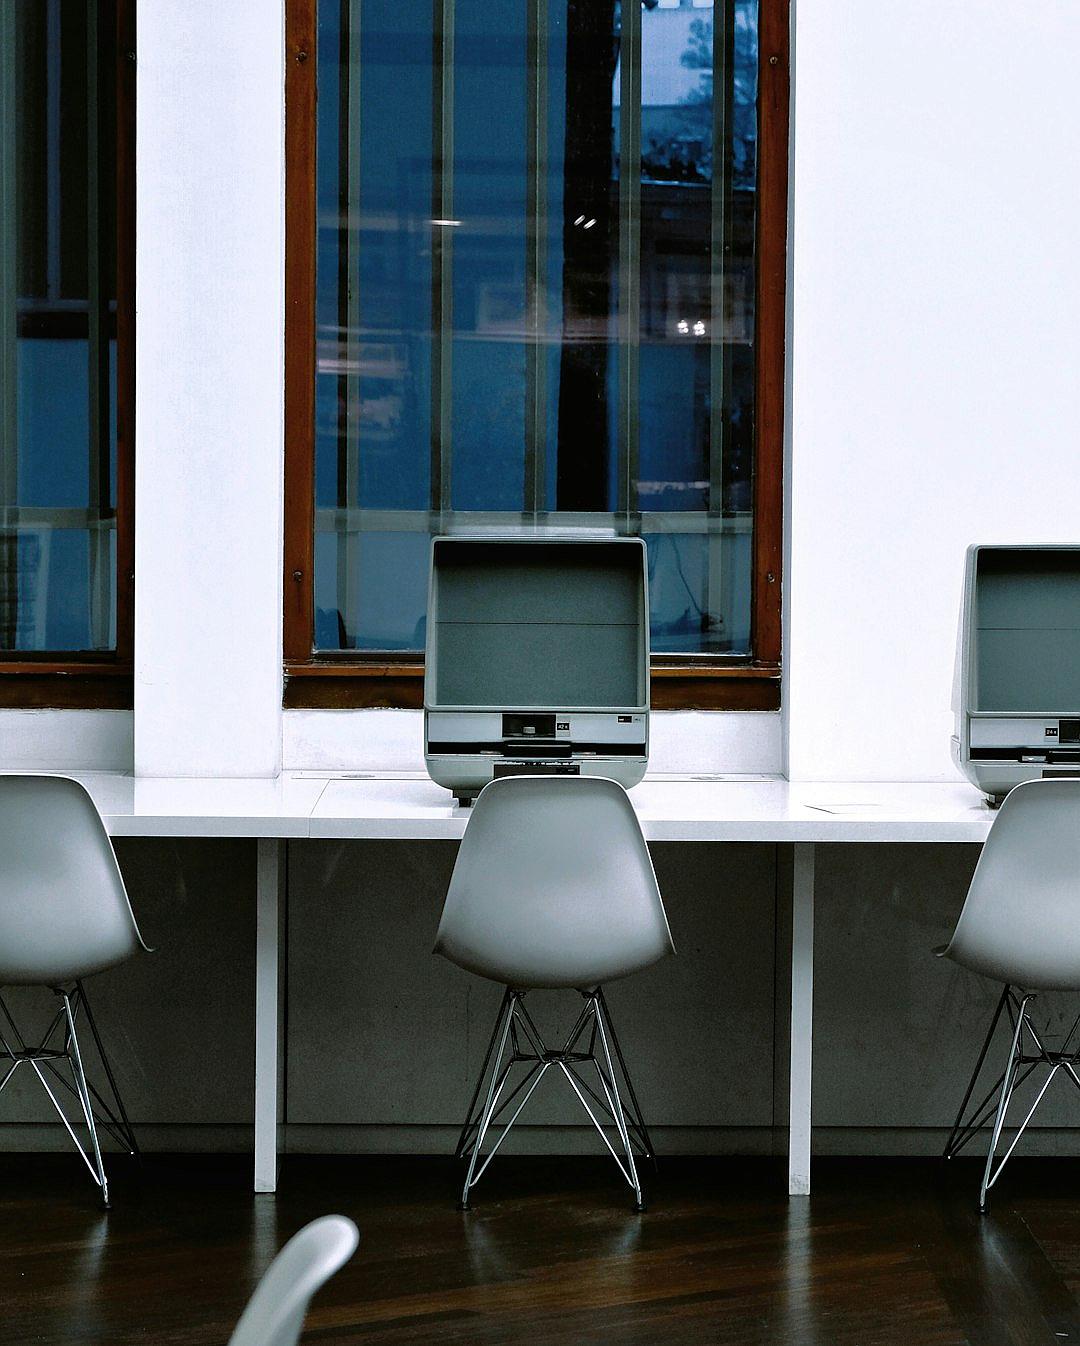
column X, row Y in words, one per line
column 846, row 810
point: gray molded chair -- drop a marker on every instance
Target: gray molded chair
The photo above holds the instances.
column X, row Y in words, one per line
column 1020, row 925
column 554, row 888
column 64, row 915
column 275, row 1312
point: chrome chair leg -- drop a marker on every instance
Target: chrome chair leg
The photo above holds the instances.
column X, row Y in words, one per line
column 1027, row 1053
column 121, row 1123
column 502, row 1028
column 1007, row 1086
column 470, row 1115
column 636, row 1120
column 1056, row 1060
column 79, row 1074
column 517, row 1041
column 961, row 1134
column 45, row 1060
column 611, row 1088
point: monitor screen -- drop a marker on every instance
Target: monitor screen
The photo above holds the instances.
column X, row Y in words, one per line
column 1027, row 642
column 538, row 624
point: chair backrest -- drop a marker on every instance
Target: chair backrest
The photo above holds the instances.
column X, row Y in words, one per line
column 64, row 912
column 275, row 1312
column 1021, row 920
column 553, row 886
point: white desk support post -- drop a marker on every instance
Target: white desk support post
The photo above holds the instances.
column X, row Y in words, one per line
column 802, row 1019
column 272, row 866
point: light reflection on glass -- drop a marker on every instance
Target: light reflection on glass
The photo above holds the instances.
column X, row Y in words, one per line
column 499, row 403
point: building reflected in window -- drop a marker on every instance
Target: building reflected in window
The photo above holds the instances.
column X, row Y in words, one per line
column 535, row 297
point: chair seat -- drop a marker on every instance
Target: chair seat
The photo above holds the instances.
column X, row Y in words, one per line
column 53, row 972
column 1027, row 974
column 553, row 887
column 533, row 971
column 1020, row 923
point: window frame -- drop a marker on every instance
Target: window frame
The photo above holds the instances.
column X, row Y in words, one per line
column 336, row 680
column 91, row 679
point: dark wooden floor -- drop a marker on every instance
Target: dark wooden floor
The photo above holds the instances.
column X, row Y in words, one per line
column 884, row 1252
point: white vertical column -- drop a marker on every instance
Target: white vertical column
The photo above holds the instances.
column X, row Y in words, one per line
column 802, row 1019
column 209, row 387
column 931, row 405
column 269, row 999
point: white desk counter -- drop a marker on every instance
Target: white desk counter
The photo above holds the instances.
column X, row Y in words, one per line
column 412, row 808
column 188, row 807
column 684, row 809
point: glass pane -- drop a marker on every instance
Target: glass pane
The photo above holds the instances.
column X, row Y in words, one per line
column 535, row 297
column 374, row 294
column 696, row 385
column 487, row 393
column 580, row 296
column 57, row 324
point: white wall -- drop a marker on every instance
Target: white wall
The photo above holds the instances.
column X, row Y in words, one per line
column 209, row 387
column 66, row 740
column 935, row 350
column 680, row 742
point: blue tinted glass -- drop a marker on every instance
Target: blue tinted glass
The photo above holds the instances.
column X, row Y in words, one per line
column 374, row 288
column 697, row 317
column 699, row 580
column 53, row 422
column 57, row 357
column 479, row 224
column 487, row 394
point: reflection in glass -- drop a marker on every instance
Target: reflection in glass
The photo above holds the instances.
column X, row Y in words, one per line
column 535, row 297
column 57, row 325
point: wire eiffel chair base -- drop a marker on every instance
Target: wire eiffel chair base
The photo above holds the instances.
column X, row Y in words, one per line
column 1027, row 1053
column 47, row 1061
column 591, row 1050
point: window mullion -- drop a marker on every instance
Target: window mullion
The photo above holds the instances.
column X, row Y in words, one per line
column 721, row 227
column 720, row 248
column 53, row 207
column 349, row 463
column 442, row 257
column 536, row 255
column 9, row 462
column 97, row 345
column 629, row 299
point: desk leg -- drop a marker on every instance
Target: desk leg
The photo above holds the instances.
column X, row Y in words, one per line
column 802, row 1018
column 269, row 987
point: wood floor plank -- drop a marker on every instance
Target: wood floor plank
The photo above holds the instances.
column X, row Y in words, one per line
column 885, row 1253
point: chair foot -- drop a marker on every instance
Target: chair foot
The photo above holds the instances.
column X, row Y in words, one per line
column 463, row 1206
column 640, row 1207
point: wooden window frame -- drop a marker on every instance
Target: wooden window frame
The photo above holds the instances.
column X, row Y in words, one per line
column 91, row 679
column 350, row 679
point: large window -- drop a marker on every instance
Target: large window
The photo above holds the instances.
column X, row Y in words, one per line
column 535, row 280
column 66, row 75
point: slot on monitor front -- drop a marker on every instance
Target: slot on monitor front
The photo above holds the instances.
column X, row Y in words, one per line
column 536, row 769
column 528, row 726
